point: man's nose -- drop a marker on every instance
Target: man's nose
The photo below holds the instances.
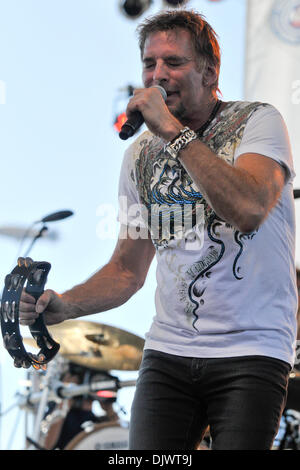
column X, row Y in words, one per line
column 160, row 73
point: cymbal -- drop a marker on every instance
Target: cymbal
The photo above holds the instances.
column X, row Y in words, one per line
column 96, row 346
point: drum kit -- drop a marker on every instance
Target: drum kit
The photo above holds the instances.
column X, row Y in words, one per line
column 61, row 398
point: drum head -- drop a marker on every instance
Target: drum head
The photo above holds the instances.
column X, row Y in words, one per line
column 104, row 436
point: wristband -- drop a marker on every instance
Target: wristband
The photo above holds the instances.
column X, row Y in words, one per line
column 185, row 136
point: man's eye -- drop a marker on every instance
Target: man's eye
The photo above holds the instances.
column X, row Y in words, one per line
column 148, row 66
column 174, row 64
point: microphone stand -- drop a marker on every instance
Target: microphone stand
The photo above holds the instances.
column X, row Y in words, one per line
column 38, row 235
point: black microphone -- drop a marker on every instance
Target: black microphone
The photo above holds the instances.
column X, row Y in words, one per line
column 136, row 119
column 296, row 193
column 55, row 216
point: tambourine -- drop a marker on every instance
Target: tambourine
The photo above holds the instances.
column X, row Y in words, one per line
column 32, row 275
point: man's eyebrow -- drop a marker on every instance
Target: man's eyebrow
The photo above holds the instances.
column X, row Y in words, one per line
column 148, row 59
column 169, row 57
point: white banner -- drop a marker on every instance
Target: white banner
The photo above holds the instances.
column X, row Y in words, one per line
column 272, row 67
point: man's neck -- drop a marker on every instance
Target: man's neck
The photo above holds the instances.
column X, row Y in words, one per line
column 203, row 116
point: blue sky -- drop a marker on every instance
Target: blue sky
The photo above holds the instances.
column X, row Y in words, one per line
column 63, row 64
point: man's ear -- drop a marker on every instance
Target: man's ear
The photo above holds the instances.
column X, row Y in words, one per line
column 210, row 75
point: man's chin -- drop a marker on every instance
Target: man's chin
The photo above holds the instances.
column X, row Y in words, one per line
column 178, row 111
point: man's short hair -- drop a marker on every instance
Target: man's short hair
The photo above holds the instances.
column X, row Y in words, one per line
column 203, row 36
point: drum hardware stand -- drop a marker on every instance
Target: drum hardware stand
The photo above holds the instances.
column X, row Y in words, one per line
column 62, row 391
column 43, row 402
column 291, row 439
column 55, row 390
column 35, row 444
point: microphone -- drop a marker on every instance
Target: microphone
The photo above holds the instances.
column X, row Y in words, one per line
column 296, row 193
column 55, row 216
column 136, row 119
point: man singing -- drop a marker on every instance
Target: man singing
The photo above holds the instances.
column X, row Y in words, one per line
column 221, row 345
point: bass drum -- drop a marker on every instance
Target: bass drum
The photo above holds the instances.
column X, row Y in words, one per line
column 104, row 436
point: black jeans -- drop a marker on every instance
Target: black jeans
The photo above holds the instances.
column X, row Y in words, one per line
column 176, row 398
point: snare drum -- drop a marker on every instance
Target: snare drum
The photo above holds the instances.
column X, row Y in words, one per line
column 103, row 436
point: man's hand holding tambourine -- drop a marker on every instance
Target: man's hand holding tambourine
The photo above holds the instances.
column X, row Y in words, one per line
column 49, row 303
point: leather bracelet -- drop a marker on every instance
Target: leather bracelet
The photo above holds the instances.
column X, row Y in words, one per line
column 185, row 136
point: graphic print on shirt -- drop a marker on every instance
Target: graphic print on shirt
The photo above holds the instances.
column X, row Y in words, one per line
column 200, row 272
column 166, row 189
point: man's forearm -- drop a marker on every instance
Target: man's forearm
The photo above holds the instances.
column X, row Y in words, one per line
column 107, row 289
column 235, row 195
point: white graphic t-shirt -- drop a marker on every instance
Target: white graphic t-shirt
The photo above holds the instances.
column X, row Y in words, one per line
column 220, row 293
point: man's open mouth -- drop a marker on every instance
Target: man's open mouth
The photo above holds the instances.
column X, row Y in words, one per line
column 172, row 93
